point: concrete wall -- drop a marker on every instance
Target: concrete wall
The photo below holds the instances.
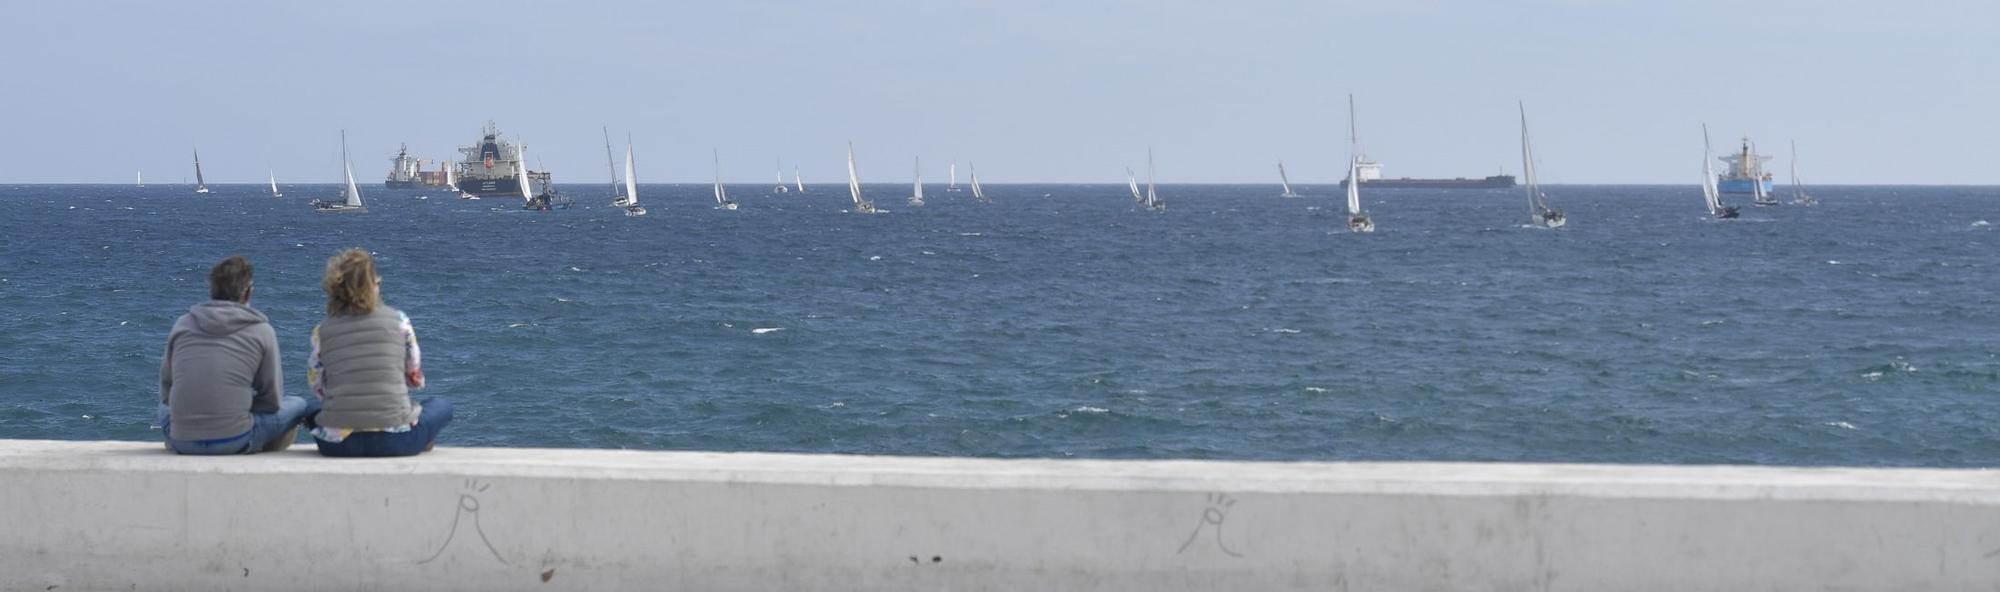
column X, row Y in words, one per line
column 119, row 515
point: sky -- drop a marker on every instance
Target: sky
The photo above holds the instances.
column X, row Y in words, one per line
column 1060, row 91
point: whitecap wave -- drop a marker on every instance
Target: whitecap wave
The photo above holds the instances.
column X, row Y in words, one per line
column 763, row 330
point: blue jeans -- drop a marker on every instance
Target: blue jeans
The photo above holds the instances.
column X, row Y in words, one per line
column 264, row 427
column 435, row 416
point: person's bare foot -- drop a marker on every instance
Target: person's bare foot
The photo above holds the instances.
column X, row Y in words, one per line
column 283, row 441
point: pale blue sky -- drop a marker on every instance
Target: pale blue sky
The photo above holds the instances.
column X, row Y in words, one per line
column 1032, row 90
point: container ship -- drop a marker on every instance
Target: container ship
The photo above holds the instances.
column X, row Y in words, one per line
column 405, row 171
column 492, row 167
column 1746, row 171
column 1370, row 173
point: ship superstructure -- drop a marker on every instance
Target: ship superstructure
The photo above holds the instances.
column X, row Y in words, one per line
column 493, row 166
column 1746, row 171
column 405, row 171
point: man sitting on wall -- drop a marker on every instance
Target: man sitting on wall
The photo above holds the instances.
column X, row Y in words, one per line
column 221, row 390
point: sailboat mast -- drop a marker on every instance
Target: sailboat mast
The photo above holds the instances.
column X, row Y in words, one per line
column 1535, row 206
column 610, row 164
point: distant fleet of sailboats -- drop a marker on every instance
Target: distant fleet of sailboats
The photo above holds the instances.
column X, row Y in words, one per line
column 625, row 188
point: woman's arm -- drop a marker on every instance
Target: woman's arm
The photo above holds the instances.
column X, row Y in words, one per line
column 413, row 356
column 313, row 367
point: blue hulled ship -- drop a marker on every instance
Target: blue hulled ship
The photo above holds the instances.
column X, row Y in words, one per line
column 1746, row 171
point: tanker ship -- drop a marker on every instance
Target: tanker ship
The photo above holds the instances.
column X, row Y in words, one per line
column 492, row 166
column 1746, row 171
column 1370, row 173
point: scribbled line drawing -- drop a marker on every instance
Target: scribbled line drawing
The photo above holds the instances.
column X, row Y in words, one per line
column 1215, row 513
column 468, row 505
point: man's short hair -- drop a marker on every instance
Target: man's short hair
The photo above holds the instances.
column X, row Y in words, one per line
column 229, row 279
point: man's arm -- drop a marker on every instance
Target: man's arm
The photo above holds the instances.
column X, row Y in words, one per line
column 270, row 383
column 167, row 369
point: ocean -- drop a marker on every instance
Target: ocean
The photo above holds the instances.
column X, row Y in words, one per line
column 1061, row 321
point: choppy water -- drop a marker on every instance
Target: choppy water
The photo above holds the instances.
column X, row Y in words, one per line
column 1061, row 322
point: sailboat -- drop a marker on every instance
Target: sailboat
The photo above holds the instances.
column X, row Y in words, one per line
column 141, row 177
column 1287, row 181
column 861, row 206
column 1799, row 195
column 1132, row 181
column 798, row 181
column 953, row 172
column 274, row 184
column 1153, row 201
column 1539, row 212
column 352, row 202
column 917, row 190
column 1709, row 191
column 781, row 178
column 631, row 184
column 201, row 186
column 451, row 180
column 1357, row 220
column 977, row 192
column 721, row 195
column 528, row 200
column 619, row 198
column 1758, row 194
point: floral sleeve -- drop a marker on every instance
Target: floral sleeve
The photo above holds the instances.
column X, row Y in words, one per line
column 413, row 356
column 314, row 369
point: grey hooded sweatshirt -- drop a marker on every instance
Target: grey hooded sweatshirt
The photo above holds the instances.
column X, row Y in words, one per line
column 221, row 364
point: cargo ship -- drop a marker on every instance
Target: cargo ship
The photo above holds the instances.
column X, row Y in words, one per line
column 492, row 168
column 1370, row 173
column 405, row 171
column 1746, row 172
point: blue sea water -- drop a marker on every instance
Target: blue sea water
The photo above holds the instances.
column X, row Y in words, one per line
column 1062, row 322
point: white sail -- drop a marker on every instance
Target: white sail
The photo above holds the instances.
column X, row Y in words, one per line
column 1132, row 182
column 977, row 192
column 953, row 171
column 521, row 172
column 353, row 191
column 451, row 175
column 917, row 188
column 1708, row 189
column 200, row 185
column 631, row 179
column 1535, row 206
column 274, row 184
column 1353, row 187
column 798, row 181
column 141, row 177
column 853, row 178
column 1287, row 181
column 721, row 195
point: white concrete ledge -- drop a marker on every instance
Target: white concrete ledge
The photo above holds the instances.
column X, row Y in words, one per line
column 118, row 515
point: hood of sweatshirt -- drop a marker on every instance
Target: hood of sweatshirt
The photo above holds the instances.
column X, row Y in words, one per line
column 221, row 317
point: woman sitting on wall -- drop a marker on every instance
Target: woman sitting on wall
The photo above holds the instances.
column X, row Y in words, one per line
column 364, row 362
